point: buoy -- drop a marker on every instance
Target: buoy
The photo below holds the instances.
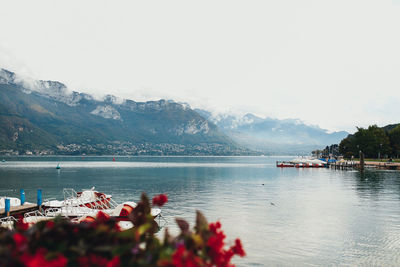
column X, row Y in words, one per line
column 58, row 166
column 113, row 159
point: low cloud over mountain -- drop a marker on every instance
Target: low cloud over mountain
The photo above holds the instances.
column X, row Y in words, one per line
column 47, row 117
column 267, row 135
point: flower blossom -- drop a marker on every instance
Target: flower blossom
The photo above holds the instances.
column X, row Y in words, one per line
column 160, row 200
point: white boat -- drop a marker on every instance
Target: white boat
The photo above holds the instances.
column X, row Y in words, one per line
column 120, row 212
column 36, row 216
column 87, row 198
column 88, row 203
column 308, row 163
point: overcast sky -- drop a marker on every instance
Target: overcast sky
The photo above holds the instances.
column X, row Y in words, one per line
column 335, row 64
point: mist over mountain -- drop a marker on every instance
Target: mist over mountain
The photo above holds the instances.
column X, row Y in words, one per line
column 267, row 135
column 45, row 117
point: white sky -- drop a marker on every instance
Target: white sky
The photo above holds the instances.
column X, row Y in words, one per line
column 331, row 63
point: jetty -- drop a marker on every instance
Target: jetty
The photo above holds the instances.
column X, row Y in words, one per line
column 344, row 165
column 20, row 209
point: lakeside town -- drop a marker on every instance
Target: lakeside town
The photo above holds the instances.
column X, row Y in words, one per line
column 129, row 149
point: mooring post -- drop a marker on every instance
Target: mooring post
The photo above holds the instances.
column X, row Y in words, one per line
column 39, row 199
column 361, row 161
column 7, row 206
column 22, row 196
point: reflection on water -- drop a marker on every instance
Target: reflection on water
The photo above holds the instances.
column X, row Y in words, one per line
column 284, row 216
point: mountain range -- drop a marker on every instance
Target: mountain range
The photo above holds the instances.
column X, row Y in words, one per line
column 45, row 117
column 273, row 136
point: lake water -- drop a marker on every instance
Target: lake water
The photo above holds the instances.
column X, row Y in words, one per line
column 284, row 217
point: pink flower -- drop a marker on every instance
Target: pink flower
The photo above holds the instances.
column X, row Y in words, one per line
column 160, row 200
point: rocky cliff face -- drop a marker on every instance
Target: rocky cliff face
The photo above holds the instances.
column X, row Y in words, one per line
column 51, row 114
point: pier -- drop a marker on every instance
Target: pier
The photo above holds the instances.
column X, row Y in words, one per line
column 18, row 211
column 24, row 207
column 367, row 164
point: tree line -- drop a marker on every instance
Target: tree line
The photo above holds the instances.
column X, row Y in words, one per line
column 374, row 142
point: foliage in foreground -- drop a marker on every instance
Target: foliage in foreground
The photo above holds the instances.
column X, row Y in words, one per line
column 102, row 243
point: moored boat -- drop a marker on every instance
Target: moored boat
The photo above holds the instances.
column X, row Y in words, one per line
column 79, row 207
column 302, row 163
column 86, row 198
column 283, row 164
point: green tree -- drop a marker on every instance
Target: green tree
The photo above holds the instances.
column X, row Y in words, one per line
column 348, row 147
column 372, row 141
column 394, row 137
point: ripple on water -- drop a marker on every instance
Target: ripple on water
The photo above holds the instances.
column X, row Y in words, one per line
column 318, row 217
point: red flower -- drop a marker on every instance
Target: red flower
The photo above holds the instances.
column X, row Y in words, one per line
column 214, row 227
column 115, row 262
column 215, row 242
column 185, row 258
column 20, row 240
column 50, row 224
column 238, row 248
column 39, row 260
column 21, row 225
column 160, row 200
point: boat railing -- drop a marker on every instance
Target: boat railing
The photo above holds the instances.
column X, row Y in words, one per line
column 33, row 216
column 69, row 193
column 99, row 202
column 102, row 203
column 33, row 213
column 8, row 219
column 113, row 203
column 8, row 222
column 52, row 212
column 107, row 203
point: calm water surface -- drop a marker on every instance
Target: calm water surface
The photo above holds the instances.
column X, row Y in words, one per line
column 284, row 217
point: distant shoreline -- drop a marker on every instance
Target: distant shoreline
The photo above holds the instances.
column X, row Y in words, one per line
column 145, row 156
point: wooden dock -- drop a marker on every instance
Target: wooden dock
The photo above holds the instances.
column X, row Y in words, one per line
column 367, row 164
column 19, row 210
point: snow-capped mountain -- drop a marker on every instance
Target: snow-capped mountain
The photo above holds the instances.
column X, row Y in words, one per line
column 46, row 114
column 273, row 135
